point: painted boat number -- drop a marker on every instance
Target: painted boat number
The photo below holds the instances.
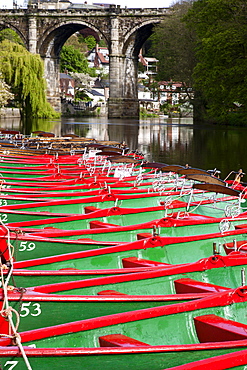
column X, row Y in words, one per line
column 25, row 246
column 4, row 217
column 11, row 363
column 3, row 202
column 29, row 308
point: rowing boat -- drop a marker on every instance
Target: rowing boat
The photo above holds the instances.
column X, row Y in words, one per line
column 203, row 276
column 121, row 224
column 159, row 337
column 37, row 310
column 171, row 250
column 123, row 294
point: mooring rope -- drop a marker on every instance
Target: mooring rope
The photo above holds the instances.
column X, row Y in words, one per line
column 7, row 310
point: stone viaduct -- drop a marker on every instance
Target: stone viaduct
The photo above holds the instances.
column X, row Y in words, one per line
column 125, row 30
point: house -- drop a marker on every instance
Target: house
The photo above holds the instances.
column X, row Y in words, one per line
column 96, row 96
column 67, row 86
column 102, row 86
column 98, row 57
column 146, row 99
column 150, row 66
column 8, row 4
column 43, row 4
column 175, row 93
column 84, row 5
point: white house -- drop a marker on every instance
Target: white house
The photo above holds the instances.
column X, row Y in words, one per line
column 146, row 100
column 150, row 66
column 97, row 97
column 6, row 4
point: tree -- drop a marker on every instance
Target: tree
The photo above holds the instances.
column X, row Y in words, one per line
column 73, row 60
column 173, row 44
column 9, row 34
column 77, row 41
column 82, row 83
column 221, row 71
column 5, row 94
column 90, row 42
column 24, row 72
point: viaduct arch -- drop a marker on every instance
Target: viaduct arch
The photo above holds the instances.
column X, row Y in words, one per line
column 125, row 30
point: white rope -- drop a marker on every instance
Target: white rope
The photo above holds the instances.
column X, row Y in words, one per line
column 7, row 310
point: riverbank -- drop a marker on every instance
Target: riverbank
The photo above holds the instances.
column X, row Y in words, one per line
column 70, row 109
column 10, row 113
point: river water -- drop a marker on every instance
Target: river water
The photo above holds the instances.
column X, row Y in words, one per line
column 172, row 141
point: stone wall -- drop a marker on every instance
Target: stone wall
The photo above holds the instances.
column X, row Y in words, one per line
column 10, row 112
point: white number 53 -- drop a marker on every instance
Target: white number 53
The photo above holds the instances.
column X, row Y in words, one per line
column 29, row 308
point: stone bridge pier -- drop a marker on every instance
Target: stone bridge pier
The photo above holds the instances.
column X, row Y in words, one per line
column 44, row 31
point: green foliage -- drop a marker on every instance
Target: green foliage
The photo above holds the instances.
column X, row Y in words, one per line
column 173, row 45
column 76, row 40
column 102, row 43
column 90, row 41
column 166, row 107
column 81, row 95
column 98, row 109
column 73, row 60
column 144, row 113
column 221, row 71
column 24, row 72
column 93, row 72
column 11, row 35
column 141, row 67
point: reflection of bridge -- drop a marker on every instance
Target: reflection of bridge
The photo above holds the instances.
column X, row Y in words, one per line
column 124, row 30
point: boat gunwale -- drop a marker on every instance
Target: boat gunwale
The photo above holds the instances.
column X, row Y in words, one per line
column 213, row 300
column 152, row 242
column 154, row 272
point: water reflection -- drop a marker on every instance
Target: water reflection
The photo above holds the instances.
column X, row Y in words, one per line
column 172, row 141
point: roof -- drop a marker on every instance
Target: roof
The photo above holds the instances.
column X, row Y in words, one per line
column 84, row 6
column 142, row 60
column 102, row 58
column 51, row 2
column 148, row 59
column 94, row 92
column 170, row 83
column 64, row 75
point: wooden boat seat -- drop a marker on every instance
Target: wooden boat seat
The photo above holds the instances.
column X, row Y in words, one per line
column 238, row 246
column 120, row 340
column 140, row 262
column 90, row 209
column 110, row 292
column 212, row 328
column 100, row 224
column 187, row 285
column 141, row 236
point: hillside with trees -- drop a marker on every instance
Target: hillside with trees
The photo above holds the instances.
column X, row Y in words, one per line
column 203, row 44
